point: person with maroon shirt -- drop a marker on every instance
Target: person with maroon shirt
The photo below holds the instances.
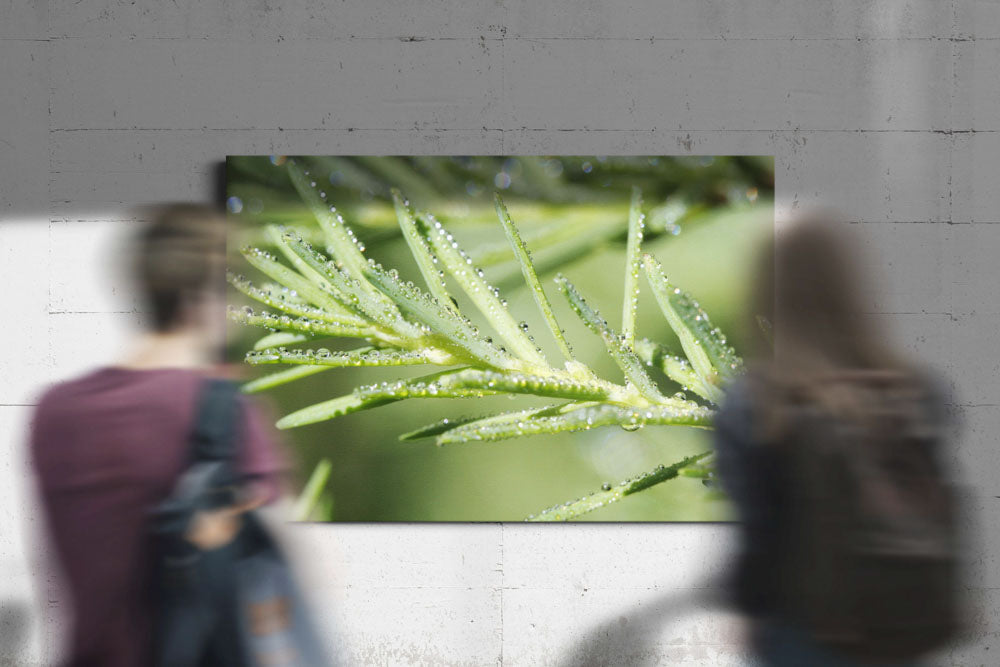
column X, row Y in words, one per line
column 108, row 446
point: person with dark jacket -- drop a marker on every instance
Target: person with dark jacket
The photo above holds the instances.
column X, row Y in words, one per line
column 830, row 373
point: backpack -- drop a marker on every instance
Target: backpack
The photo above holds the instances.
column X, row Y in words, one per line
column 872, row 557
column 232, row 606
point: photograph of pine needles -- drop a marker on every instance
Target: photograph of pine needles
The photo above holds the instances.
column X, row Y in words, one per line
column 496, row 338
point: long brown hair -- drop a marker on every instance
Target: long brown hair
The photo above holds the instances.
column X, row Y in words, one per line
column 827, row 351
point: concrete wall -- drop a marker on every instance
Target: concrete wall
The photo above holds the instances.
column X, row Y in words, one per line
column 888, row 110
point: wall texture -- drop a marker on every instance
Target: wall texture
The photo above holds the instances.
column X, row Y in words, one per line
column 889, row 111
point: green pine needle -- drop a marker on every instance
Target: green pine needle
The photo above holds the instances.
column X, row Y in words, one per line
column 421, row 251
column 311, row 497
column 528, row 269
column 623, row 355
column 613, row 493
column 630, row 300
column 485, row 297
column 285, row 376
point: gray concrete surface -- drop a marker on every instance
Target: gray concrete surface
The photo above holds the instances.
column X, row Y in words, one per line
column 889, row 111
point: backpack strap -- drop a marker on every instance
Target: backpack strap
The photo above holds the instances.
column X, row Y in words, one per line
column 214, row 442
column 216, row 423
column 210, row 478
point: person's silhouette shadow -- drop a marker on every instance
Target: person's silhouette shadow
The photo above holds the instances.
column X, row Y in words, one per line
column 14, row 619
column 629, row 637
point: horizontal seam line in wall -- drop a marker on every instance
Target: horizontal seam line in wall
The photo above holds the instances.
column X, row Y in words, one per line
column 907, row 312
column 491, row 36
column 917, row 313
column 418, row 130
column 912, row 222
column 97, row 312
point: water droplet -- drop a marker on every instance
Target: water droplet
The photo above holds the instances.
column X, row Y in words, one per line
column 605, row 487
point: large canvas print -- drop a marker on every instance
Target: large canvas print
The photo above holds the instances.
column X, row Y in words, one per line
column 484, row 338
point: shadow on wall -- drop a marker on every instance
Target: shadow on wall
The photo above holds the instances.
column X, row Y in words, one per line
column 14, row 619
column 634, row 636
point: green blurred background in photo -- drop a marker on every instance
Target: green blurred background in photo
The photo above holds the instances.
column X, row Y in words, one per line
column 707, row 220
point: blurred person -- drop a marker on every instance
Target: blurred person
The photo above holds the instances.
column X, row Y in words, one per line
column 830, row 447
column 109, row 446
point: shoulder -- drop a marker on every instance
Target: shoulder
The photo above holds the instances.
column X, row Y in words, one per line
column 62, row 395
column 56, row 416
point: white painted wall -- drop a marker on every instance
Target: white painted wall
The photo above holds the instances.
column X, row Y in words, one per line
column 890, row 111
